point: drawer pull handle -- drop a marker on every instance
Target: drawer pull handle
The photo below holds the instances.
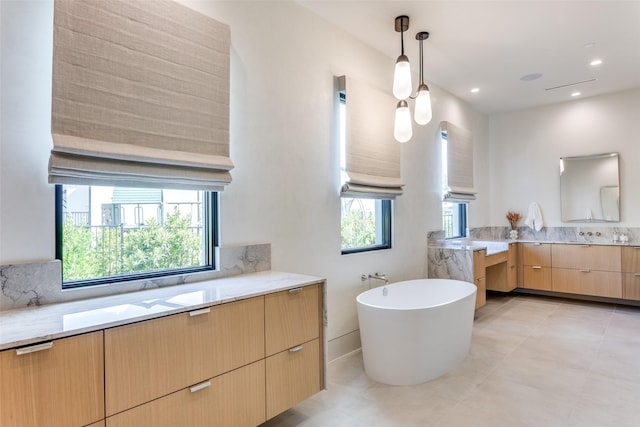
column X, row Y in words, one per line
column 586, row 246
column 296, row 349
column 200, row 386
column 34, row 348
column 295, row 290
column 537, row 244
column 636, row 274
column 585, row 270
column 199, row 312
column 537, row 267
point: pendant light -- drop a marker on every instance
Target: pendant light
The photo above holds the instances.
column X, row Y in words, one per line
column 422, row 113
column 402, row 88
column 402, row 75
column 402, row 130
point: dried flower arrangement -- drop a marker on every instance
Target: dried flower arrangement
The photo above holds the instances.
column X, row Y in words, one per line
column 513, row 218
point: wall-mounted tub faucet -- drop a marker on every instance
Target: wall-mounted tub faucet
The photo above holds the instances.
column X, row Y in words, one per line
column 377, row 276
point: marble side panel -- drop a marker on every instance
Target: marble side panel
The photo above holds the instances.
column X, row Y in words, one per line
column 34, row 284
column 450, row 263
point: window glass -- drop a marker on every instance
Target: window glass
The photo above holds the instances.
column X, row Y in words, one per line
column 116, row 233
column 365, row 224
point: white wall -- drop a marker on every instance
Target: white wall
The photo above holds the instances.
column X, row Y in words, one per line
column 283, row 142
column 526, row 147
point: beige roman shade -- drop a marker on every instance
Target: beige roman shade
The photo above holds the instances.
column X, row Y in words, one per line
column 372, row 156
column 459, row 186
column 140, row 95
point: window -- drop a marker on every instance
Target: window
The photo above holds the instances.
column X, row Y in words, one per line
column 454, row 215
column 365, row 222
column 109, row 234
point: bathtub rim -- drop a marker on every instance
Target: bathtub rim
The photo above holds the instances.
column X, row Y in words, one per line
column 425, row 307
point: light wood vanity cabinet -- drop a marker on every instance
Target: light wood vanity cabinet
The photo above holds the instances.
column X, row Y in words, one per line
column 587, row 270
column 293, row 332
column 536, row 266
column 146, row 360
column 631, row 273
column 58, row 383
column 479, row 277
column 233, row 365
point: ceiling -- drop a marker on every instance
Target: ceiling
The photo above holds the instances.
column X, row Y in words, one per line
column 490, row 45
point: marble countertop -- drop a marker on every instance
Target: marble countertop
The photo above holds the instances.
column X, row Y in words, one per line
column 497, row 246
column 31, row 325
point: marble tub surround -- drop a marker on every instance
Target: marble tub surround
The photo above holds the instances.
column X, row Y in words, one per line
column 31, row 325
column 35, row 284
column 451, row 262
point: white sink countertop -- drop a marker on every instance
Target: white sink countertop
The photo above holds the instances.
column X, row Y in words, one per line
column 31, row 325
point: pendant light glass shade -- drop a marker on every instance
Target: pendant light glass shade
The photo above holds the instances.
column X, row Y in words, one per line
column 422, row 114
column 402, row 130
column 402, row 78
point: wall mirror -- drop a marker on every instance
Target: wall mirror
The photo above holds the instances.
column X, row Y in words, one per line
column 590, row 188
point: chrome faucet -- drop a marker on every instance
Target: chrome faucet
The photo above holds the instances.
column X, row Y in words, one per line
column 379, row 276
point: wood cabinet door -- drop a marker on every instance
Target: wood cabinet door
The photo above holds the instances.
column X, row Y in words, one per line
column 146, row 360
column 536, row 254
column 234, row 399
column 479, row 277
column 587, row 282
column 292, row 376
column 587, row 257
column 631, row 286
column 292, row 317
column 631, row 259
column 512, row 267
column 59, row 383
column 537, row 277
column 98, row 424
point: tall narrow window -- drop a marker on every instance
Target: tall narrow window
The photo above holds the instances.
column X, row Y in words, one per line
column 365, row 221
column 454, row 215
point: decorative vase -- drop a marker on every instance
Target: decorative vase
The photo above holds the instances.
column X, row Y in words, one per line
column 513, row 234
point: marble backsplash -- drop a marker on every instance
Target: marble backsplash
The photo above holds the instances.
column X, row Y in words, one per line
column 580, row 234
column 25, row 285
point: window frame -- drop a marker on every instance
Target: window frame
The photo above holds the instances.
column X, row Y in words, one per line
column 211, row 233
column 385, row 231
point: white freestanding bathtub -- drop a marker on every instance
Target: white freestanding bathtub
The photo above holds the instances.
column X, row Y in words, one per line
column 417, row 330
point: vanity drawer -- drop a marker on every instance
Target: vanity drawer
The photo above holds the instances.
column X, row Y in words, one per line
column 602, row 258
column 631, row 259
column 292, row 376
column 146, row 360
column 235, row 399
column 587, row 282
column 538, row 254
column 537, row 277
column 291, row 318
column 57, row 383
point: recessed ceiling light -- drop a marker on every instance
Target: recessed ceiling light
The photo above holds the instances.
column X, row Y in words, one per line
column 475, row 90
column 574, row 94
column 595, row 62
column 529, row 77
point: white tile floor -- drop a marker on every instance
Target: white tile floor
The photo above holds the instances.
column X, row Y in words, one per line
column 534, row 361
